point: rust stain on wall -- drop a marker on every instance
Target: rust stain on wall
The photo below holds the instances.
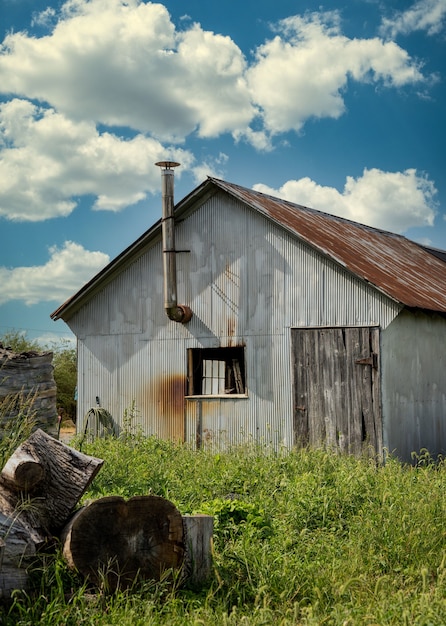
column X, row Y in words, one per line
column 169, row 404
column 230, row 329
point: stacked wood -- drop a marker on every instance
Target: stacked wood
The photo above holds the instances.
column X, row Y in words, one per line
column 29, row 376
column 40, row 485
column 111, row 541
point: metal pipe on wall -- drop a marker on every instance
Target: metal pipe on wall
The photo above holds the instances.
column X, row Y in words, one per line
column 176, row 312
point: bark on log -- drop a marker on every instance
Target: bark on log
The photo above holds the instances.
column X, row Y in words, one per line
column 10, row 577
column 40, row 485
column 113, row 542
column 65, row 475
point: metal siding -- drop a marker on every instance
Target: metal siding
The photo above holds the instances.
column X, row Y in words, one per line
column 98, row 376
column 413, row 362
column 400, row 268
column 409, row 273
column 247, row 282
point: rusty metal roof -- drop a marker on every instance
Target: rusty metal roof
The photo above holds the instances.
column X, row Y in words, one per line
column 402, row 269
column 405, row 271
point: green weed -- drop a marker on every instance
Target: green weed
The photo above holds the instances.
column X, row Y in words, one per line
column 305, row 537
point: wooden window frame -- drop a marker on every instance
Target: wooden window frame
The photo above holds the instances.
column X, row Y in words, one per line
column 208, row 377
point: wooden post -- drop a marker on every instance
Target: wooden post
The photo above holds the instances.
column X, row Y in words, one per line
column 198, row 530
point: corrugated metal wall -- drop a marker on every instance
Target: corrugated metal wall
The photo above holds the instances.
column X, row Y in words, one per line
column 248, row 282
column 413, row 372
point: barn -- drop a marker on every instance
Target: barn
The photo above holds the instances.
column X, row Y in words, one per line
column 241, row 316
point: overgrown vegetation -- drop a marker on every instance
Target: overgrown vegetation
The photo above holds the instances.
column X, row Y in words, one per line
column 13, row 431
column 306, row 537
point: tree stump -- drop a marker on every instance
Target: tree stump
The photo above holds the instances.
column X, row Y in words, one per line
column 112, row 542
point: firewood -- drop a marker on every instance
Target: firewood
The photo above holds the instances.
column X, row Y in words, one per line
column 40, row 486
column 52, row 474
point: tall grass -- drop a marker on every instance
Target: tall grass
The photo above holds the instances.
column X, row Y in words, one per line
column 305, row 537
column 17, row 420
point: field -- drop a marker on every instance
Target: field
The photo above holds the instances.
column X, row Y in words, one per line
column 306, row 537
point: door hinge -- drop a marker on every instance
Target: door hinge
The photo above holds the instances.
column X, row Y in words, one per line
column 369, row 360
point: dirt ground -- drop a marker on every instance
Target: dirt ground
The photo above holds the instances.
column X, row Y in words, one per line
column 67, row 431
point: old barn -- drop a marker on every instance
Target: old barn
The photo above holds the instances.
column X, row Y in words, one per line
column 268, row 322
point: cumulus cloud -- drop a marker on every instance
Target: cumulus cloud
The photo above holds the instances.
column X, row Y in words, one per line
column 426, row 15
column 47, row 160
column 67, row 269
column 115, row 65
column 210, row 167
column 302, row 72
column 123, row 64
column 44, row 18
column 394, row 201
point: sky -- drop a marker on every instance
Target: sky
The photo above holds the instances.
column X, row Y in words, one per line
column 338, row 106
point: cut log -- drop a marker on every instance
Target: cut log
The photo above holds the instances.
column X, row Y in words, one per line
column 12, row 578
column 40, row 486
column 23, row 470
column 59, row 475
column 112, row 542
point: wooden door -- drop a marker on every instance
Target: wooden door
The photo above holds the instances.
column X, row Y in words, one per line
column 336, row 388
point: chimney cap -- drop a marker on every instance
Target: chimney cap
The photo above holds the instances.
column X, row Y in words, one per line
column 167, row 164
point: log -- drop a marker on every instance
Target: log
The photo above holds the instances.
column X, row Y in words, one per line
column 40, row 486
column 54, row 476
column 198, row 531
column 10, row 577
column 113, row 542
column 23, row 470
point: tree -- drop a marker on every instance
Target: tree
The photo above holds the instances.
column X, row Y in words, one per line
column 65, row 375
column 19, row 342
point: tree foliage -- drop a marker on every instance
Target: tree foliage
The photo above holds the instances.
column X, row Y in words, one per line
column 65, row 375
column 19, row 342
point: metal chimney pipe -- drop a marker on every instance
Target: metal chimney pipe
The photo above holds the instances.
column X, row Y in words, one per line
column 174, row 311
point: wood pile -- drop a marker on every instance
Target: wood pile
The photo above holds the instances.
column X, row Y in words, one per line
column 29, row 375
column 110, row 541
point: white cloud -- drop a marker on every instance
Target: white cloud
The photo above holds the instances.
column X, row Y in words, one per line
column 210, row 167
column 302, row 72
column 47, row 159
column 44, row 18
column 394, row 201
column 66, row 271
column 123, row 63
column 53, row 341
column 427, row 15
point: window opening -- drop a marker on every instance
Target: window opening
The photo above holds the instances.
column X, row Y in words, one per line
column 216, row 371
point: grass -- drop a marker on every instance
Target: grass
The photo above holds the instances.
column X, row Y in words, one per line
column 306, row 537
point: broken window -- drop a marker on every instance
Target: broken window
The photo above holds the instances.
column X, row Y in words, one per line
column 216, row 371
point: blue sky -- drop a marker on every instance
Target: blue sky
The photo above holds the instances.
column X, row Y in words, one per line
column 340, row 107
